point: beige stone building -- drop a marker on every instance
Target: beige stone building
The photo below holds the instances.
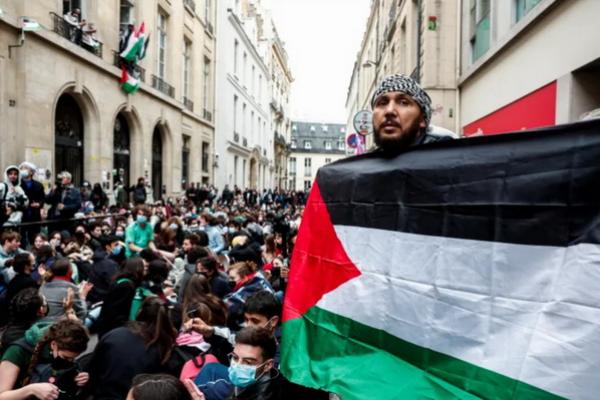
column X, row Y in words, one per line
column 412, row 37
column 528, row 63
column 62, row 107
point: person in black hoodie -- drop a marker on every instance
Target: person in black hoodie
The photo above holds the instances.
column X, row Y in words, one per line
column 23, row 265
column 34, row 191
column 117, row 302
column 105, row 267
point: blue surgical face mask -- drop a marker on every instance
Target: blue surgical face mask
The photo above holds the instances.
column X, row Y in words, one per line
column 141, row 219
column 119, row 233
column 24, row 173
column 242, row 375
column 117, row 250
column 174, row 227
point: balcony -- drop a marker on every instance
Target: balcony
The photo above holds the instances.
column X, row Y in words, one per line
column 236, row 137
column 141, row 72
column 187, row 103
column 73, row 34
column 207, row 115
column 191, row 4
column 162, row 86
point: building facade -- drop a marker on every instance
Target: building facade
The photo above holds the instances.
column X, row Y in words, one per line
column 243, row 122
column 312, row 146
column 528, row 63
column 412, row 37
column 62, row 106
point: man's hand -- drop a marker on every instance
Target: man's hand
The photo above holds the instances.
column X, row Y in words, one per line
column 60, row 206
column 193, row 390
column 82, row 378
column 198, row 325
column 84, row 289
column 34, row 205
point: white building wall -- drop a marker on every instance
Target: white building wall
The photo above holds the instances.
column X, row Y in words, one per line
column 518, row 63
column 305, row 176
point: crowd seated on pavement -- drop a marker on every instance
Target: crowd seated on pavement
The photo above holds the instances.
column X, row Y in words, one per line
column 126, row 296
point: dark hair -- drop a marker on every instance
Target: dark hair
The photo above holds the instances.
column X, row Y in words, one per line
column 203, row 241
column 20, row 261
column 44, row 253
column 61, row 267
column 263, row 303
column 193, row 238
column 196, row 253
column 158, row 387
column 148, row 255
column 133, row 268
column 25, row 305
column 258, row 337
column 108, row 240
column 197, row 291
column 153, row 324
column 68, row 334
column 210, row 263
column 158, row 271
column 9, row 236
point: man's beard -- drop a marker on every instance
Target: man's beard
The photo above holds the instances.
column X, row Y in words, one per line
column 398, row 143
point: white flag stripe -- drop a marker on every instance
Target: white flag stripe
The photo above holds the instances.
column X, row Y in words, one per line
column 528, row 312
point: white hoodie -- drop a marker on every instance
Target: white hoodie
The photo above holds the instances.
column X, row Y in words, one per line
column 13, row 195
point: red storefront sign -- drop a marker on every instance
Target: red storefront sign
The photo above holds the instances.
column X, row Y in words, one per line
column 534, row 110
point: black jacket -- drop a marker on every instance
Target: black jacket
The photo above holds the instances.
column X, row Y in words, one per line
column 35, row 193
column 116, row 307
column 102, row 273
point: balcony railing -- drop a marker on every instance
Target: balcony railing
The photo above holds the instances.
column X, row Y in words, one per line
column 191, row 4
column 188, row 104
column 207, row 115
column 117, row 61
column 236, row 137
column 159, row 84
column 74, row 34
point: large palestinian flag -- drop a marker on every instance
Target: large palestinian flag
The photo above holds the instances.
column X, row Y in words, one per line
column 460, row 270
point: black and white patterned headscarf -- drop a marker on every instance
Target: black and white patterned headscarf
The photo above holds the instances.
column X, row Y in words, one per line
column 405, row 84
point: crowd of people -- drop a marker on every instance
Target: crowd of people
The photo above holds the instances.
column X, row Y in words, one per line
column 122, row 296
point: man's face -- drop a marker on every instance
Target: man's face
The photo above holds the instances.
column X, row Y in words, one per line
column 96, row 232
column 397, row 120
column 251, row 355
column 186, row 246
column 12, row 245
column 261, row 321
column 66, row 180
column 13, row 176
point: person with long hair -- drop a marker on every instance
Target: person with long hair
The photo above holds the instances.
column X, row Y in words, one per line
column 27, row 307
column 118, row 299
column 157, row 387
column 143, row 346
column 48, row 370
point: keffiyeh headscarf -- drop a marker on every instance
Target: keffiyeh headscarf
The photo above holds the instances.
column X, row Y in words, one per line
column 405, row 84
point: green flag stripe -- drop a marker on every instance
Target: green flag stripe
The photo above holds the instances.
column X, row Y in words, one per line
column 328, row 351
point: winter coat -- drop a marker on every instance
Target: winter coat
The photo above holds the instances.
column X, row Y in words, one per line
column 34, row 191
column 14, row 195
column 102, row 273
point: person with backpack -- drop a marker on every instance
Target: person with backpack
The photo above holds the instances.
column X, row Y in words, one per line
column 11, row 193
column 139, row 192
column 25, row 309
column 143, row 346
column 116, row 307
column 45, row 368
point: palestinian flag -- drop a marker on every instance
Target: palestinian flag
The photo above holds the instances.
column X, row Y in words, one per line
column 29, row 24
column 467, row 269
column 135, row 44
column 129, row 81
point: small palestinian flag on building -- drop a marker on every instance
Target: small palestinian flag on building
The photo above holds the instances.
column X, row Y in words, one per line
column 29, row 24
column 135, row 44
column 467, row 269
column 130, row 82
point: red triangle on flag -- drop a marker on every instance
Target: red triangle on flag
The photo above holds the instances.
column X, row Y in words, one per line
column 319, row 262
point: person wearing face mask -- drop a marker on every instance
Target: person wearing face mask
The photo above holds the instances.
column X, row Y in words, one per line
column 46, row 368
column 139, row 234
column 105, row 267
column 34, row 191
column 12, row 193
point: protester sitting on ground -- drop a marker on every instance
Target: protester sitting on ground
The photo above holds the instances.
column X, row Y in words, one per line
column 117, row 302
column 104, row 268
column 143, row 346
column 39, row 241
column 9, row 248
column 216, row 242
column 56, row 288
column 191, row 267
column 139, row 234
column 219, row 284
column 45, row 368
column 27, row 307
column 23, row 265
column 246, row 281
column 157, row 387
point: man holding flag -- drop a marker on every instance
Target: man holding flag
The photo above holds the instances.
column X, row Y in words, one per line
column 449, row 269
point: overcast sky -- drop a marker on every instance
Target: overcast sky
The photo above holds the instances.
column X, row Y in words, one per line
column 322, row 38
